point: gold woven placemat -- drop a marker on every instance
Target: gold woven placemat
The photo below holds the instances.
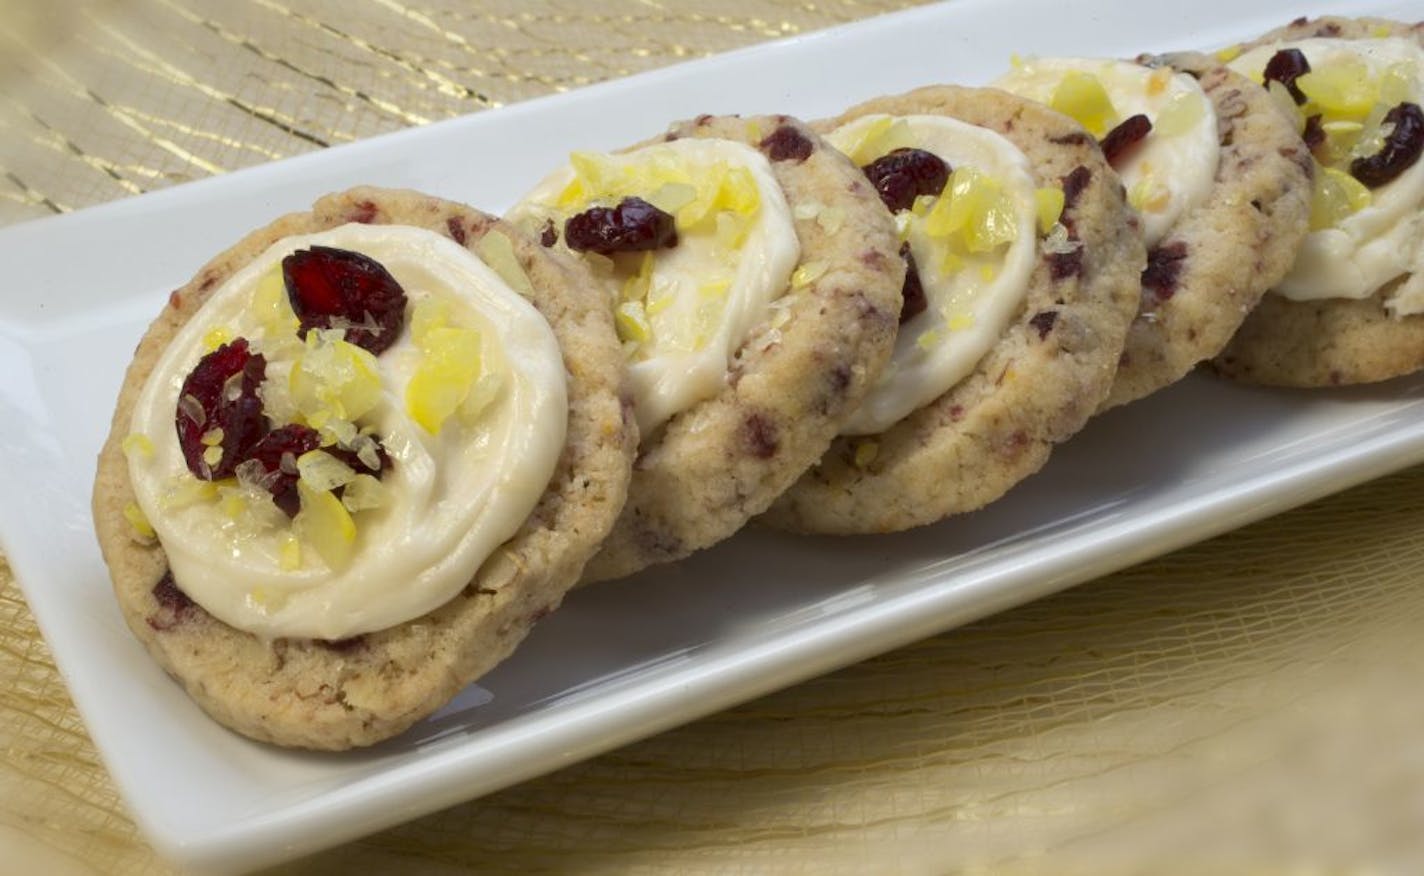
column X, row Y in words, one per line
column 1249, row 703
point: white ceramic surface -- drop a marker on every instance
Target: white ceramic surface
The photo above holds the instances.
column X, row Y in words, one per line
column 755, row 614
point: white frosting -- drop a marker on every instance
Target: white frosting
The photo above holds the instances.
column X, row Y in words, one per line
column 1383, row 241
column 452, row 498
column 1183, row 164
column 965, row 313
column 696, row 334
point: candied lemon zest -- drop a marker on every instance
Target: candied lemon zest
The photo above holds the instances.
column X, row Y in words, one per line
column 807, row 273
column 1336, row 195
column 333, row 380
column 137, row 444
column 865, row 452
column 324, row 524
column 1343, row 89
column 497, row 250
column 449, row 365
column 138, row 521
column 631, row 320
column 960, row 322
column 1082, row 97
column 216, row 337
column 1228, row 54
column 290, row 558
column 928, row 340
column 1048, row 202
column 1180, row 115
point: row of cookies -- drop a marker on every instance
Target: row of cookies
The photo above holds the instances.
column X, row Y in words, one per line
column 367, row 448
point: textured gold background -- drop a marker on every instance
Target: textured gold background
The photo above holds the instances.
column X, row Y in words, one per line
column 1250, row 703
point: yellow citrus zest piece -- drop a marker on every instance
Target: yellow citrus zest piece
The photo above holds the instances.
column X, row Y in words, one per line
column 497, row 250
column 135, row 516
column 449, row 365
column 137, row 444
column 1082, row 96
column 1228, row 54
column 216, row 337
column 1180, row 115
column 807, row 273
column 1048, row 202
column 290, row 557
column 1343, row 89
column 324, row 523
column 631, row 320
column 1335, row 196
column 976, row 209
column 865, row 452
column 333, row 380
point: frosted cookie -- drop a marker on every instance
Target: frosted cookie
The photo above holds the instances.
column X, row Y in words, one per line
column 1351, row 309
column 1026, row 261
column 355, row 459
column 756, row 281
column 1219, row 178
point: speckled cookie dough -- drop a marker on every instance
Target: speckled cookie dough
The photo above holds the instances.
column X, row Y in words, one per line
column 339, row 694
column 709, row 469
column 1331, row 341
column 1048, row 372
column 1214, row 264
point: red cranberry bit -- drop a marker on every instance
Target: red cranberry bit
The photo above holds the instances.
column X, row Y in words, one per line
column 550, row 235
column 289, row 442
column 1400, row 151
column 1073, row 185
column 1164, row 267
column 278, row 453
column 1314, row 133
column 221, row 393
column 1044, row 321
column 1062, row 265
column 632, row 226
column 173, row 604
column 337, row 288
column 786, row 144
column 904, row 174
column 1285, row 67
column 913, row 291
column 1125, row 139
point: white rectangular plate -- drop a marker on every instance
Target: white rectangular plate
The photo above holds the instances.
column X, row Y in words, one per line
column 758, row 613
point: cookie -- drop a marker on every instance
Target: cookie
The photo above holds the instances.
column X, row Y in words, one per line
column 769, row 401
column 358, row 679
column 1223, row 187
column 1049, row 366
column 1351, row 309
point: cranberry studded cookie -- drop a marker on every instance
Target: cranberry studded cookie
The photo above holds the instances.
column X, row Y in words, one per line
column 355, row 459
column 756, row 284
column 1351, row 310
column 1219, row 178
column 1023, row 261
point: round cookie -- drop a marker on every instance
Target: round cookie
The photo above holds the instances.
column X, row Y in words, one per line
column 1332, row 341
column 715, row 465
column 1217, row 261
column 1040, row 383
column 333, row 695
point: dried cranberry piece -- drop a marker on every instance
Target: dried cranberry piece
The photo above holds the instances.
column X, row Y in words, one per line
column 1164, row 268
column 1073, row 185
column 1400, row 151
column 632, row 226
column 282, row 484
column 296, row 439
column 337, row 288
column 1123, row 140
column 549, row 235
column 221, row 393
column 786, row 144
column 904, row 174
column 1314, row 133
column 1285, row 67
column 913, row 291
